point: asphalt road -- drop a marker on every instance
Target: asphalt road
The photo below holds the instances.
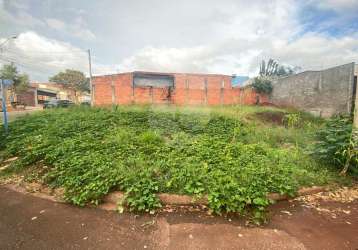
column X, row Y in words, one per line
column 15, row 114
column 28, row 222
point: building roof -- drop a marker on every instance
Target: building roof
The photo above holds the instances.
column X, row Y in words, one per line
column 162, row 73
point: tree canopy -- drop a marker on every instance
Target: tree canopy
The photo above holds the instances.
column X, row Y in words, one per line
column 21, row 81
column 273, row 68
column 73, row 79
column 262, row 85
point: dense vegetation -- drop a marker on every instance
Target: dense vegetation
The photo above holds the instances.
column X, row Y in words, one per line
column 234, row 155
column 262, row 85
column 336, row 144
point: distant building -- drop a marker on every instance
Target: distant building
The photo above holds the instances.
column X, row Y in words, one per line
column 323, row 93
column 168, row 88
column 238, row 81
column 38, row 93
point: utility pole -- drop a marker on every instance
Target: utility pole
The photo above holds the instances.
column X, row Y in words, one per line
column 355, row 111
column 90, row 75
column 3, row 91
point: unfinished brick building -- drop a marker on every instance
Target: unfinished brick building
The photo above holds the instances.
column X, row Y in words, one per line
column 169, row 88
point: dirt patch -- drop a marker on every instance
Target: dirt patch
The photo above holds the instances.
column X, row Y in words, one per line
column 28, row 223
column 273, row 117
column 268, row 104
column 316, row 228
column 174, row 199
column 341, row 195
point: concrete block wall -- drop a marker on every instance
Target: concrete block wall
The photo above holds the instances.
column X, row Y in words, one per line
column 189, row 89
column 323, row 93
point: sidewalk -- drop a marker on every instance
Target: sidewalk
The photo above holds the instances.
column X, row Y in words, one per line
column 27, row 222
column 12, row 115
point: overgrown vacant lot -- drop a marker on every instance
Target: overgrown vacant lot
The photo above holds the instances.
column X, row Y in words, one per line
column 234, row 155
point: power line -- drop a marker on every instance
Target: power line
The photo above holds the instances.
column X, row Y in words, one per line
column 10, row 60
column 31, row 61
column 30, row 66
column 46, row 53
column 47, row 64
column 51, row 52
column 15, row 59
column 29, row 57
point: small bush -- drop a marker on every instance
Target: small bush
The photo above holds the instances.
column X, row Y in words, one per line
column 292, row 120
column 91, row 151
column 336, row 144
column 262, row 85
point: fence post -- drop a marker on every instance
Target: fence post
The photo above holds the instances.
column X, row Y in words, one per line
column 133, row 93
column 222, row 91
column 113, row 91
column 186, row 91
column 206, row 90
column 151, row 94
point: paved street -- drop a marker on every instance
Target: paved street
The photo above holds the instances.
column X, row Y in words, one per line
column 15, row 114
column 28, row 222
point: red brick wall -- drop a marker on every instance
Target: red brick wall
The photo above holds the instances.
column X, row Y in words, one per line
column 27, row 98
column 189, row 89
column 248, row 96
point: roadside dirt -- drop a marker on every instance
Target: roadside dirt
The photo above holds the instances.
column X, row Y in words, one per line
column 29, row 222
column 273, row 117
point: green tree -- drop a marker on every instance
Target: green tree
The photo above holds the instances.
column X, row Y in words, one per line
column 269, row 68
column 72, row 79
column 284, row 71
column 273, row 68
column 262, row 85
column 21, row 81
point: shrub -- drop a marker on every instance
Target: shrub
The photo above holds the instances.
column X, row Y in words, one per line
column 262, row 85
column 336, row 144
column 91, row 151
column 292, row 120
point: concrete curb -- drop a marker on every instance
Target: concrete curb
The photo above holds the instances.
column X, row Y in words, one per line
column 110, row 201
column 40, row 194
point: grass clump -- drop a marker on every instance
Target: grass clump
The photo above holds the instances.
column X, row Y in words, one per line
column 219, row 152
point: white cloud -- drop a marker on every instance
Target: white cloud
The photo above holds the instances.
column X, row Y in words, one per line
column 229, row 36
column 56, row 24
column 241, row 34
column 18, row 14
column 311, row 51
column 337, row 5
column 21, row 18
column 84, row 34
column 43, row 57
column 78, row 28
column 246, row 33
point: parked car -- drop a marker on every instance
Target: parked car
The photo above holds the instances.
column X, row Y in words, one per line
column 86, row 103
column 55, row 103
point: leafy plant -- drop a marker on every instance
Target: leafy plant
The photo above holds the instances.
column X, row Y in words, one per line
column 292, row 120
column 91, row 151
column 268, row 69
column 262, row 85
column 272, row 68
column 336, row 144
column 21, row 81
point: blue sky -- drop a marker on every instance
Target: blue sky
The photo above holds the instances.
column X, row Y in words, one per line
column 228, row 36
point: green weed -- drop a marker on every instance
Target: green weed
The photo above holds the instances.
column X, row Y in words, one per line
column 142, row 151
